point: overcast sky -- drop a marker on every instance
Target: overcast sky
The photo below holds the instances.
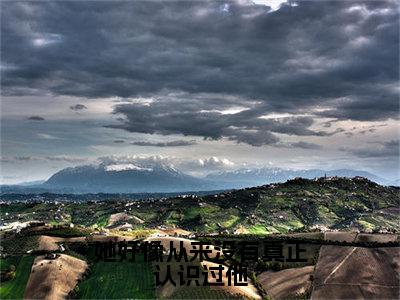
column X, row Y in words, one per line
column 206, row 85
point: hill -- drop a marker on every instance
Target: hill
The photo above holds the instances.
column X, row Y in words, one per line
column 258, row 176
column 296, row 205
column 295, row 210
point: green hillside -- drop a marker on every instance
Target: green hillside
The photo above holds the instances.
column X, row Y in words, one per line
column 297, row 205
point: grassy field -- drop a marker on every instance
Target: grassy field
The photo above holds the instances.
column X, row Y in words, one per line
column 5, row 263
column 116, row 280
column 261, row 229
column 201, row 292
column 102, row 221
column 66, row 232
column 15, row 288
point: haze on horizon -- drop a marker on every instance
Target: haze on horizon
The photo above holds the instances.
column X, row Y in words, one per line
column 205, row 85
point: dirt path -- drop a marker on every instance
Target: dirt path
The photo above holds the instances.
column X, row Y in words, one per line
column 339, row 265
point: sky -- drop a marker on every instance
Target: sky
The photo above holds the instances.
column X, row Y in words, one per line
column 206, row 86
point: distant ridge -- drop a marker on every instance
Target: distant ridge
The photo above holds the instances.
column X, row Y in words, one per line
column 260, row 176
column 126, row 178
column 157, row 177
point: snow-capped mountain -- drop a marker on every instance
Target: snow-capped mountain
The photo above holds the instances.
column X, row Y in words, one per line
column 156, row 176
column 126, row 178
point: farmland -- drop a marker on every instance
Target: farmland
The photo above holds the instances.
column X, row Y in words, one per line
column 116, row 280
column 340, row 224
column 295, row 206
column 288, row 283
column 14, row 288
column 356, row 272
column 195, row 292
column 54, row 277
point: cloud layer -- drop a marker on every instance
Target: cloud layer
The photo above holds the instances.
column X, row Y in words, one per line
column 36, row 118
column 199, row 60
column 388, row 149
column 177, row 143
column 199, row 166
column 78, row 107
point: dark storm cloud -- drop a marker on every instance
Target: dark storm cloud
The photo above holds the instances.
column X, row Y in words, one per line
column 188, row 117
column 377, row 149
column 177, row 143
column 364, row 130
column 299, row 145
column 305, row 145
column 36, row 118
column 78, row 107
column 338, row 55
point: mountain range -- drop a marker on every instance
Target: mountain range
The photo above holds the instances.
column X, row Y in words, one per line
column 163, row 178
